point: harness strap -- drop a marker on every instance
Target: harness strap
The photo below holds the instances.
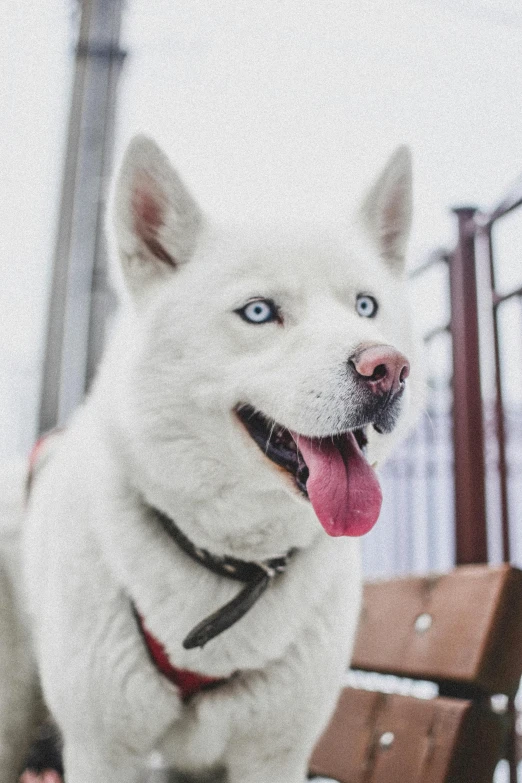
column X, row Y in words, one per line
column 257, row 574
column 188, row 682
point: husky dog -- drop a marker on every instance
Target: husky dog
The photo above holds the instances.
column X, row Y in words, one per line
column 189, row 546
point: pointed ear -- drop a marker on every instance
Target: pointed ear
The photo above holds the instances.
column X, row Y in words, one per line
column 387, row 209
column 156, row 219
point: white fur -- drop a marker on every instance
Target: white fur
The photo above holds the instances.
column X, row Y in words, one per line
column 158, row 427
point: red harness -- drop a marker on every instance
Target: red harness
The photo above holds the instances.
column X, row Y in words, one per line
column 188, row 682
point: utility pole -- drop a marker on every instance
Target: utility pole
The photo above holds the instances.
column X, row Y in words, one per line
column 80, row 300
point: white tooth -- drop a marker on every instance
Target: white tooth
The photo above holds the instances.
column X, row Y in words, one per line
column 374, row 465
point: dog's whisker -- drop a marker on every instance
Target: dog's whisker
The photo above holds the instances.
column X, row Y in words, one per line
column 427, row 415
column 272, row 428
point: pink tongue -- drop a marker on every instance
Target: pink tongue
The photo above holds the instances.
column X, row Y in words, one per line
column 342, row 487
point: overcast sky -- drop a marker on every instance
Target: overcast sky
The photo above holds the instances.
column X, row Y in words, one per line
column 280, row 109
column 285, row 105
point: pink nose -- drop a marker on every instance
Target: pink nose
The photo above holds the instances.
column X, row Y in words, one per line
column 382, row 368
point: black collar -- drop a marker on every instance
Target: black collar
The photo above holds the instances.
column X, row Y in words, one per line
column 257, row 574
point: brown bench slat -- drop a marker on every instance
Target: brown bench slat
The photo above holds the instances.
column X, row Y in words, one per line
column 433, row 741
column 475, row 635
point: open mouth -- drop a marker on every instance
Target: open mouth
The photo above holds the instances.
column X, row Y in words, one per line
column 331, row 472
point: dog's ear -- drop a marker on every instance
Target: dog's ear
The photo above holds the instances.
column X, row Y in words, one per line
column 157, row 221
column 387, row 209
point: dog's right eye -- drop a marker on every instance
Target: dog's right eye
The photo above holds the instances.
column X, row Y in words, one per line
column 259, row 311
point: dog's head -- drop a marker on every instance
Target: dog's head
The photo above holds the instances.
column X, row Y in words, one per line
column 282, row 361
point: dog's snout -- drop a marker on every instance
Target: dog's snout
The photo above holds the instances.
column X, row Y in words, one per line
column 382, row 368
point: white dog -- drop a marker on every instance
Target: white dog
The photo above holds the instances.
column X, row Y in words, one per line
column 190, row 553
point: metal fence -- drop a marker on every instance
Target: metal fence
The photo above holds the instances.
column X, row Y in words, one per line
column 453, row 492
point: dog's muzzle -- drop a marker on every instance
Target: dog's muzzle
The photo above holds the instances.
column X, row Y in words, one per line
column 380, row 373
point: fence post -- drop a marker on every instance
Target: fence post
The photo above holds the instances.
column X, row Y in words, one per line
column 468, row 430
column 500, row 421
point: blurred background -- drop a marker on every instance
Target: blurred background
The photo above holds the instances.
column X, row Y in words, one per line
column 283, row 108
column 270, row 109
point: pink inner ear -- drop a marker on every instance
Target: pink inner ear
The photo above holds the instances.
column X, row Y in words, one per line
column 148, row 217
column 392, row 223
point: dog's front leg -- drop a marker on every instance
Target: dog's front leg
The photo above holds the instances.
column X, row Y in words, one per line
column 86, row 763
column 110, row 703
column 278, row 717
column 251, row 766
column 273, row 734
column 274, row 754
column 278, row 752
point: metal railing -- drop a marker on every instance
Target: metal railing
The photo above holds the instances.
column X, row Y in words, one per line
column 458, row 476
column 475, row 459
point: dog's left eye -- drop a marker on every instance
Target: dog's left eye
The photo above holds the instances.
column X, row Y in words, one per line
column 259, row 311
column 366, row 306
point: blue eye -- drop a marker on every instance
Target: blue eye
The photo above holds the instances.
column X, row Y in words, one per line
column 259, row 311
column 366, row 306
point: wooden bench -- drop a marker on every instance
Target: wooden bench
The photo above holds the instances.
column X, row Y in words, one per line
column 462, row 631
